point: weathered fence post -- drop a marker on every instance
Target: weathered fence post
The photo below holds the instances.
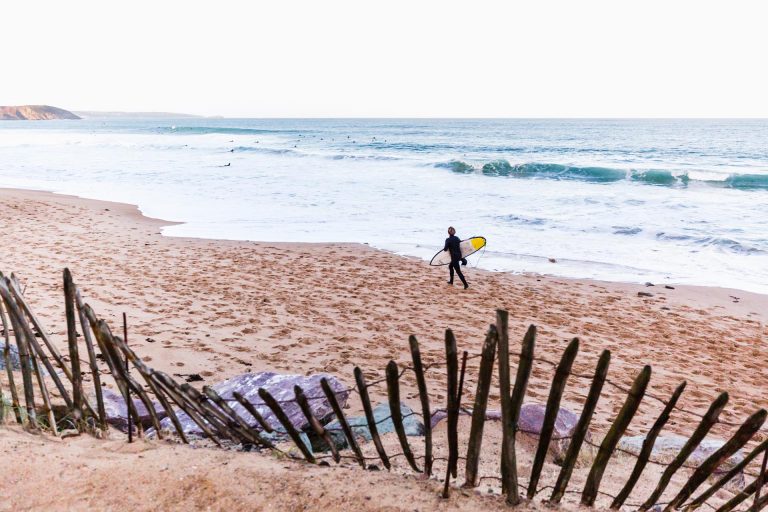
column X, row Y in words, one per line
column 331, row 396
column 647, row 448
column 393, row 393
column 452, row 424
column 372, row 428
column 9, row 366
column 709, row 419
column 620, row 424
column 85, row 327
column 321, row 432
column 739, row 439
column 421, row 383
column 78, row 411
column 481, row 406
column 550, row 415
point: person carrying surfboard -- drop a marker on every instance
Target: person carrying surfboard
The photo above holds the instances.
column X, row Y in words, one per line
column 453, row 246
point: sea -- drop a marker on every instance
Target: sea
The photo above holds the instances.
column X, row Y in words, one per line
column 667, row 201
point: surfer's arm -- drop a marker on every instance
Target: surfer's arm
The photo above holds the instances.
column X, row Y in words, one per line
column 446, row 245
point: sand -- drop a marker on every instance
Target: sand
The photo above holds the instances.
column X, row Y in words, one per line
column 221, row 308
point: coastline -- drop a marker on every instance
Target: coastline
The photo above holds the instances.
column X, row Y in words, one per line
column 220, row 308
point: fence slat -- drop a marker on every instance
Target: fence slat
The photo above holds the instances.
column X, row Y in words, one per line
column 709, row 419
column 507, row 456
column 241, row 425
column 738, row 468
column 421, row 383
column 286, row 423
column 582, row 427
column 393, row 393
column 253, row 412
column 744, row 494
column 171, row 388
column 647, row 448
column 301, row 399
column 362, row 388
column 78, row 409
column 452, row 386
column 331, row 396
column 9, row 365
column 620, row 424
column 739, row 439
column 481, row 405
column 550, row 414
column 96, row 375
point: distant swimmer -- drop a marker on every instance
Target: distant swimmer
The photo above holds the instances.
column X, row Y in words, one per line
column 453, row 246
column 226, row 164
column 232, row 150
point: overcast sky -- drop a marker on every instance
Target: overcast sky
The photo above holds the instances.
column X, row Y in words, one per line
column 394, row 58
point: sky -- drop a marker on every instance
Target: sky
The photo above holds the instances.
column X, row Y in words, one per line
column 415, row 58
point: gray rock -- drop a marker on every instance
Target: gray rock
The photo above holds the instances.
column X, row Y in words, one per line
column 384, row 425
column 117, row 411
column 14, row 353
column 530, row 423
column 281, row 388
column 666, row 448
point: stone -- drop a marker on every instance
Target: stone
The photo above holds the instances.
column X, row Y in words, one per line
column 280, row 386
column 117, row 410
column 14, row 354
column 530, row 423
column 384, row 424
column 666, row 448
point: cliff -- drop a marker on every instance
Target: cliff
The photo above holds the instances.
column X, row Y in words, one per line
column 34, row 113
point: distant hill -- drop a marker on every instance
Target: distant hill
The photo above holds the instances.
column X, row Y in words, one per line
column 93, row 114
column 35, row 113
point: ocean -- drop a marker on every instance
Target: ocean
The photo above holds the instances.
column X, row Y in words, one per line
column 665, row 201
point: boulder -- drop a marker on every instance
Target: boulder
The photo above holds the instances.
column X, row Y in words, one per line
column 384, row 425
column 117, row 411
column 666, row 448
column 281, row 388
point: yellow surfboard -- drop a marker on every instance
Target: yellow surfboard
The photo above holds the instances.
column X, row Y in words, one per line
column 468, row 247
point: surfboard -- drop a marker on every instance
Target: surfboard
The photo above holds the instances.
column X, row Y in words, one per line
column 468, row 247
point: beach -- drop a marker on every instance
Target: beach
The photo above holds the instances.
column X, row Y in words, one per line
column 221, row 308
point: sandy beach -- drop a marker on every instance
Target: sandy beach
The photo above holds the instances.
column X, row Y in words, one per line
column 221, row 308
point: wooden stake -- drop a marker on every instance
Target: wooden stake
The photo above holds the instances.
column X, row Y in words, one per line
column 173, row 391
column 710, row 418
column 550, row 414
column 746, row 493
column 242, row 425
column 737, row 469
column 85, row 327
column 301, row 399
column 78, row 409
column 620, row 424
column 760, row 482
column 286, row 423
column 421, row 383
column 331, row 396
column 24, row 356
column 253, row 412
column 393, row 393
column 372, row 428
column 706, row 468
column 9, row 366
column 507, row 454
column 647, row 448
column 452, row 395
column 481, row 405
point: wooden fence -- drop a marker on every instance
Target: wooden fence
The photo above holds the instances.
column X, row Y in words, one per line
column 42, row 364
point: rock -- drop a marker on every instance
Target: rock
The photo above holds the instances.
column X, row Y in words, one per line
column 381, row 414
column 666, row 448
column 648, row 283
column 281, row 388
column 644, row 294
column 532, row 419
column 14, row 353
column 117, row 411
column 669, row 287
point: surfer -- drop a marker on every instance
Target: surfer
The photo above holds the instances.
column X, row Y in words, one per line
column 453, row 246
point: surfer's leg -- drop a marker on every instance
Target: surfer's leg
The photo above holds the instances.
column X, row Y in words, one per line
column 450, row 268
column 461, row 276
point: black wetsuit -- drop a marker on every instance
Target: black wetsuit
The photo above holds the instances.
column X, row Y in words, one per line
column 452, row 245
